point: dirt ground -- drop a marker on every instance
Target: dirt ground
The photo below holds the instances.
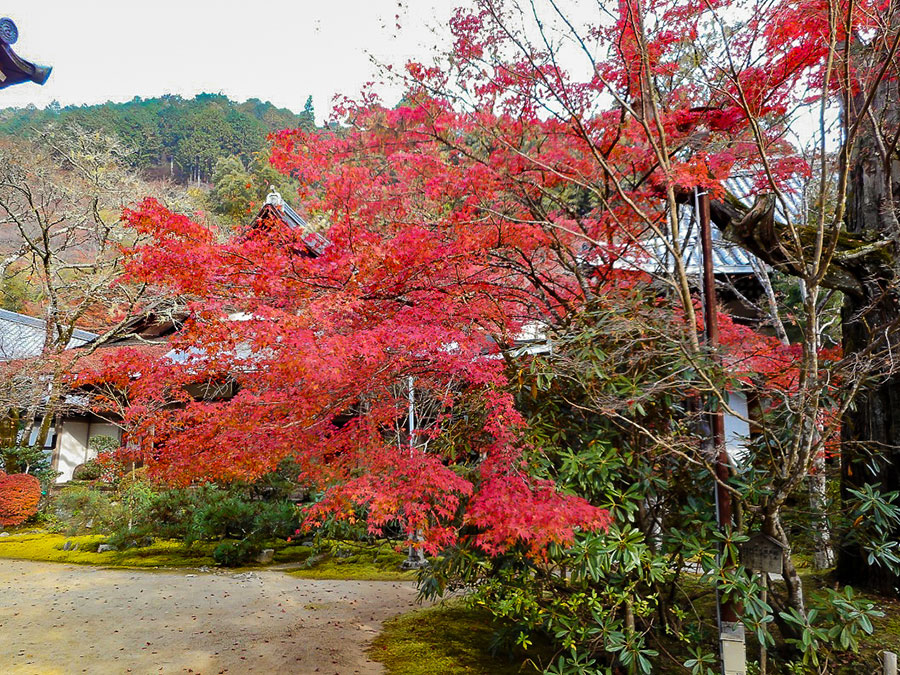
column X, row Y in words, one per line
column 58, row 618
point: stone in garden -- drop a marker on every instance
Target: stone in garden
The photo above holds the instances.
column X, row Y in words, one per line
column 267, row 555
column 4, row 534
column 246, row 576
column 103, row 548
column 68, row 545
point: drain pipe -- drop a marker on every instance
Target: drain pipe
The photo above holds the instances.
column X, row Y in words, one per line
column 732, row 643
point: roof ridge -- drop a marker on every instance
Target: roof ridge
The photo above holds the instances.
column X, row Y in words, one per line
column 35, row 322
column 315, row 241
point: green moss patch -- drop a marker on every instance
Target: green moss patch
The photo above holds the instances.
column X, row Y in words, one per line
column 451, row 639
column 372, row 563
column 886, row 636
column 48, row 547
column 360, row 562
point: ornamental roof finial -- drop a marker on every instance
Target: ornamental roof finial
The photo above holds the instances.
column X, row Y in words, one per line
column 274, row 198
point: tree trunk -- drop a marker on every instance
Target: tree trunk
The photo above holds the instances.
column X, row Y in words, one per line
column 823, row 554
column 9, row 428
column 773, row 527
column 870, row 435
column 869, row 453
column 866, row 268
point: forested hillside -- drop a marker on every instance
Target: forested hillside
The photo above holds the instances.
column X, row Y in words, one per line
column 170, row 136
column 207, row 154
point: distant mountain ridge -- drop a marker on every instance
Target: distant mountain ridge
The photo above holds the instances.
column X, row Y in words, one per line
column 170, row 135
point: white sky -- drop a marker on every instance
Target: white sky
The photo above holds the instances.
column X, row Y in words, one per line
column 275, row 50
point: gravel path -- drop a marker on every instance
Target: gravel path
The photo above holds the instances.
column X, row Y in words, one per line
column 65, row 619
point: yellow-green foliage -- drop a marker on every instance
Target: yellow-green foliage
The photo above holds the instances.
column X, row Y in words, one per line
column 886, row 636
column 450, row 639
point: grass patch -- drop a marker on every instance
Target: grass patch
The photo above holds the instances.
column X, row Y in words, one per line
column 450, row 638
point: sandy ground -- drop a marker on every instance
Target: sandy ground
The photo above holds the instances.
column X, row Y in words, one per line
column 77, row 619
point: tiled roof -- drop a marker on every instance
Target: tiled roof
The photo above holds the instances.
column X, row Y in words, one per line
column 745, row 189
column 728, row 257
column 313, row 240
column 22, row 336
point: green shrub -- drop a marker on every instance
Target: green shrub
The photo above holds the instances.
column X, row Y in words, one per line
column 213, row 513
column 90, row 470
column 82, row 509
column 101, row 445
column 205, row 513
column 137, row 514
column 173, row 511
column 276, row 520
column 224, row 515
column 234, row 553
column 134, row 525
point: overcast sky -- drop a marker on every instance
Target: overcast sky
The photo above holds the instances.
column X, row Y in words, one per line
column 275, row 50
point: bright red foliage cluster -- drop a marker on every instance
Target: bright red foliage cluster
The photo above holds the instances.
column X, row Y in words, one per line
column 317, row 346
column 454, row 221
column 19, row 497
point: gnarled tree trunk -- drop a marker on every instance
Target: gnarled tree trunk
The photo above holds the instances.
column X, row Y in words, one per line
column 866, row 268
column 870, row 439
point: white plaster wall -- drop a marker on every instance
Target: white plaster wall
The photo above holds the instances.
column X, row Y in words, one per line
column 102, row 429
column 72, row 448
column 737, row 431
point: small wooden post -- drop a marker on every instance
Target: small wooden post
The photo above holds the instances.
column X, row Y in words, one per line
column 890, row 662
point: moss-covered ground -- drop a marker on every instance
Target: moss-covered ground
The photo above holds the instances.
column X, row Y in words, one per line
column 363, row 562
column 373, row 562
column 450, row 638
column 46, row 546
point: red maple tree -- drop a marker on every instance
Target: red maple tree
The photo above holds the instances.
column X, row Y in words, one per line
column 505, row 192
